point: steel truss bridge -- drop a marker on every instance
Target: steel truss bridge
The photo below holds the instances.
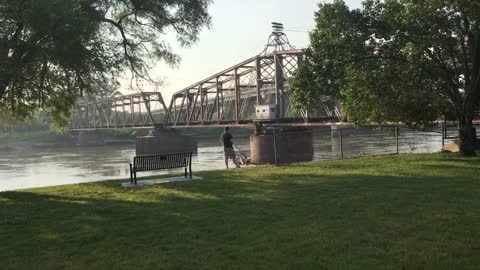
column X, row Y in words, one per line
column 228, row 97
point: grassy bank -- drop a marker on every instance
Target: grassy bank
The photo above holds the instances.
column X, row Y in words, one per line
column 406, row 212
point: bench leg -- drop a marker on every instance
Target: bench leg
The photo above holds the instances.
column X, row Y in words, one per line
column 186, row 172
column 135, row 177
column 190, row 169
column 131, row 174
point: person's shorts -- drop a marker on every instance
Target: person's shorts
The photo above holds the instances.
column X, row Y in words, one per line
column 229, row 153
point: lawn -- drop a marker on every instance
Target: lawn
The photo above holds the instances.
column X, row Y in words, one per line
column 395, row 212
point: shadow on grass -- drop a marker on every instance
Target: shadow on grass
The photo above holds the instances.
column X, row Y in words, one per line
column 234, row 220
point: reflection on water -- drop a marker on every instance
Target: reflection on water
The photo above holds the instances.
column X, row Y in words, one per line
column 26, row 167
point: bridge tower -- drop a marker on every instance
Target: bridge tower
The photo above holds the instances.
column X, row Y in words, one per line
column 279, row 145
column 277, row 42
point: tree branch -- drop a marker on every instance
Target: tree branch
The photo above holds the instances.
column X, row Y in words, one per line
column 475, row 87
column 453, row 56
column 122, row 32
column 137, row 68
column 125, row 45
column 466, row 64
column 452, row 90
column 3, row 64
column 376, row 57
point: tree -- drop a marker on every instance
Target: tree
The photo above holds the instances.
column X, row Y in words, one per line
column 52, row 52
column 397, row 61
column 104, row 91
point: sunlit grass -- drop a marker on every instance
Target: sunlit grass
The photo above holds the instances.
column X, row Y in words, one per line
column 396, row 212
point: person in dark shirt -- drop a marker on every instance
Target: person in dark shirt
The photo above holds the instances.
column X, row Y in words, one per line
column 226, row 139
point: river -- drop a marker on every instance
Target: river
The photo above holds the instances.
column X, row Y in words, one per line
column 27, row 167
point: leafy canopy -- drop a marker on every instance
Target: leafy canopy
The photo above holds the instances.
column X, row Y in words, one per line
column 54, row 51
column 394, row 61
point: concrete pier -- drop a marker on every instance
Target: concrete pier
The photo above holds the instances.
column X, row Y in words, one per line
column 281, row 146
column 89, row 138
column 163, row 141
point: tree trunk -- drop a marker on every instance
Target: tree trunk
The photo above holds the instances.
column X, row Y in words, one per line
column 3, row 88
column 467, row 135
column 3, row 65
column 467, row 132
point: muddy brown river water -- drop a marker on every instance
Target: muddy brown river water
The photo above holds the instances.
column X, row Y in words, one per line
column 27, row 167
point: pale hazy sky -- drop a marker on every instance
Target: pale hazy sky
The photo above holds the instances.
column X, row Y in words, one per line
column 239, row 31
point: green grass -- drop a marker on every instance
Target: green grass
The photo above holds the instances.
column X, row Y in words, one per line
column 396, row 212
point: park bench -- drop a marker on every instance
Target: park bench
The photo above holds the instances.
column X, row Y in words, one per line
column 161, row 162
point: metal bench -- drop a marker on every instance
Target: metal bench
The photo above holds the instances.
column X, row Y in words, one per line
column 161, row 162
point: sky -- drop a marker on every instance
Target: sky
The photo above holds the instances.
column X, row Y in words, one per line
column 239, row 30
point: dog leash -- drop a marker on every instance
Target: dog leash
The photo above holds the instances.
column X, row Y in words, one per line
column 240, row 150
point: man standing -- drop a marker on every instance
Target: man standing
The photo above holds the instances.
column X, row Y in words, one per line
column 226, row 139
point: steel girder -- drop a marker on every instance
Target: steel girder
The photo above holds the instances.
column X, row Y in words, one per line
column 229, row 96
column 130, row 111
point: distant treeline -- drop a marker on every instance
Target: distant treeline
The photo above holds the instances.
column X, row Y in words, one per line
column 40, row 122
column 41, row 129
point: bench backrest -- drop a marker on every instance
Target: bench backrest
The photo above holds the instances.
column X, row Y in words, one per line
column 161, row 162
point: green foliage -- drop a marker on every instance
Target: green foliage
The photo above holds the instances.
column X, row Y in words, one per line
column 398, row 212
column 305, row 91
column 396, row 61
column 40, row 128
column 323, row 72
column 54, row 51
column 40, row 121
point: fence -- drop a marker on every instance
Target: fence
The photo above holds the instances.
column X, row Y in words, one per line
column 341, row 143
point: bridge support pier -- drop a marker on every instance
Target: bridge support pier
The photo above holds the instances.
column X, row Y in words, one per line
column 281, row 145
column 164, row 141
column 89, row 138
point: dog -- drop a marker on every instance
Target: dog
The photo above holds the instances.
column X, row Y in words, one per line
column 243, row 160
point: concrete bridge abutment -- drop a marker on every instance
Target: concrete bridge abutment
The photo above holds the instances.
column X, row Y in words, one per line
column 281, row 145
column 89, row 138
column 163, row 141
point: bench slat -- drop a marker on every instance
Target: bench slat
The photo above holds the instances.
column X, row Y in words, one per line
column 161, row 162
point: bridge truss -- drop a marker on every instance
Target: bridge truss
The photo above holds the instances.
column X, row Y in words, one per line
column 231, row 95
column 130, row 111
column 228, row 97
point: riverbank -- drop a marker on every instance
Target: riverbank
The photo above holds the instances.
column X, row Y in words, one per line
column 394, row 212
column 51, row 138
